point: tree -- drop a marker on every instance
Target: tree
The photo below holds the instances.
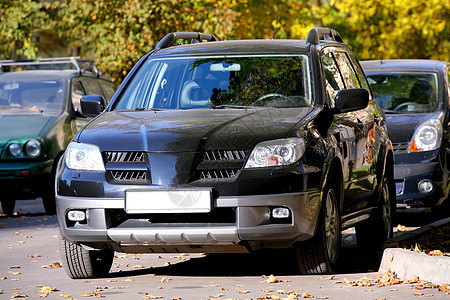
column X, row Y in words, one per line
column 20, row 24
column 117, row 33
column 382, row 29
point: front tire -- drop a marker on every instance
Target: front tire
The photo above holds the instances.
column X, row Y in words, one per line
column 371, row 235
column 319, row 255
column 79, row 262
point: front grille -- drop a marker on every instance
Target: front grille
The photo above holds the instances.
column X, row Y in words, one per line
column 121, row 156
column 129, row 176
column 127, row 167
column 117, row 218
column 224, row 155
column 218, row 174
column 220, row 164
column 401, row 147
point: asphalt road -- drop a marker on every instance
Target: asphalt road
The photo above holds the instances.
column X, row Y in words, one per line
column 30, row 267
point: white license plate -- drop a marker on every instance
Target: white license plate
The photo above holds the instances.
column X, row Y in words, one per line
column 196, row 200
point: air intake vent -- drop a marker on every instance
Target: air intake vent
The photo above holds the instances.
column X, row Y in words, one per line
column 224, row 155
column 124, row 156
column 220, row 164
column 127, row 167
column 401, row 147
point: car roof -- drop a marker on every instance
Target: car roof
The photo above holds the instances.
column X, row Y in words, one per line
column 403, row 64
column 236, row 47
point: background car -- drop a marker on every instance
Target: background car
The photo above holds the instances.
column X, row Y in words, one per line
column 229, row 146
column 39, row 115
column 415, row 97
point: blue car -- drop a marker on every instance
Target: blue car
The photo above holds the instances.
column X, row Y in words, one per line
column 414, row 95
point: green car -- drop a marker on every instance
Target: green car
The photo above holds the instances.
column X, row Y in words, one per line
column 39, row 114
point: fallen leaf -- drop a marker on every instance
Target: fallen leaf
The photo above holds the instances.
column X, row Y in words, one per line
column 306, row 295
column 165, row 279
column 33, row 256
column 137, row 266
column 281, row 292
column 14, row 267
column 243, row 291
column 56, row 265
column 18, row 295
column 272, row 279
column 47, row 288
column 401, row 228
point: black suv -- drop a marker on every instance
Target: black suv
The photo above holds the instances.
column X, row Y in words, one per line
column 39, row 115
column 229, row 146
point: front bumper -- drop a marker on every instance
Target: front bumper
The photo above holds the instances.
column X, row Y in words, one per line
column 235, row 224
column 407, row 179
column 25, row 180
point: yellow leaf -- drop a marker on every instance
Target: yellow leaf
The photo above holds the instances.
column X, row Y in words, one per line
column 272, row 279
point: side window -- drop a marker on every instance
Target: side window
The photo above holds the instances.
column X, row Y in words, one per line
column 92, row 87
column 350, row 78
column 360, row 73
column 77, row 93
column 108, row 89
column 333, row 79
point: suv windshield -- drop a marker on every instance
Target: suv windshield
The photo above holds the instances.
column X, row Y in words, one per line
column 414, row 92
column 220, row 81
column 25, row 96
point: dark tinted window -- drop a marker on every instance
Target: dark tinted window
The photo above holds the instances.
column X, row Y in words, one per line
column 405, row 91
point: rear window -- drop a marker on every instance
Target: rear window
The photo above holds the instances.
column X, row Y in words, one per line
column 199, row 82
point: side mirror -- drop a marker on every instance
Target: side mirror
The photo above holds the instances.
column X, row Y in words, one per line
column 92, row 105
column 351, row 100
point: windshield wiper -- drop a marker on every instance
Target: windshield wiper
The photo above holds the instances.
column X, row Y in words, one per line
column 230, row 106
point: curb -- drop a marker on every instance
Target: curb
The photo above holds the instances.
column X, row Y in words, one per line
column 406, row 264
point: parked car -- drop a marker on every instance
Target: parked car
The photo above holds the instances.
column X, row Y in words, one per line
column 415, row 97
column 39, row 115
column 229, row 146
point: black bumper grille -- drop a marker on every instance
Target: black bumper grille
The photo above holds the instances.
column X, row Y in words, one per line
column 220, row 164
column 127, row 167
column 401, row 147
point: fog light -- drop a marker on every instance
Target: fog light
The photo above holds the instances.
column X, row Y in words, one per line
column 280, row 213
column 425, row 186
column 76, row 215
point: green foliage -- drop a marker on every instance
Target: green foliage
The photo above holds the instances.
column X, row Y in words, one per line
column 20, row 21
column 116, row 33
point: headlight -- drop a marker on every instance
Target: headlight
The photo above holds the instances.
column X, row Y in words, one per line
column 84, row 157
column 15, row 149
column 280, row 152
column 32, row 148
column 428, row 136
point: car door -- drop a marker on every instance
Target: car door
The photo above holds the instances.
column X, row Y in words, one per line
column 353, row 131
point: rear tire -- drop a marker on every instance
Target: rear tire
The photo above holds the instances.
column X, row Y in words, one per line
column 7, row 205
column 81, row 263
column 319, row 255
column 371, row 234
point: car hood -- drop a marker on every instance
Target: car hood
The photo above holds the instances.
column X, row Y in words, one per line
column 13, row 127
column 189, row 130
column 401, row 127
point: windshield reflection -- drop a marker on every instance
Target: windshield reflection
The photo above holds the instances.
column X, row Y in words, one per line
column 31, row 96
column 408, row 92
column 219, row 82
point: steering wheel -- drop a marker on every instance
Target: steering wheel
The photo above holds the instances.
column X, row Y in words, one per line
column 406, row 104
column 271, row 95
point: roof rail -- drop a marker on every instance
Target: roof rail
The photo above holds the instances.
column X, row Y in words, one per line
column 194, row 37
column 81, row 65
column 317, row 34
